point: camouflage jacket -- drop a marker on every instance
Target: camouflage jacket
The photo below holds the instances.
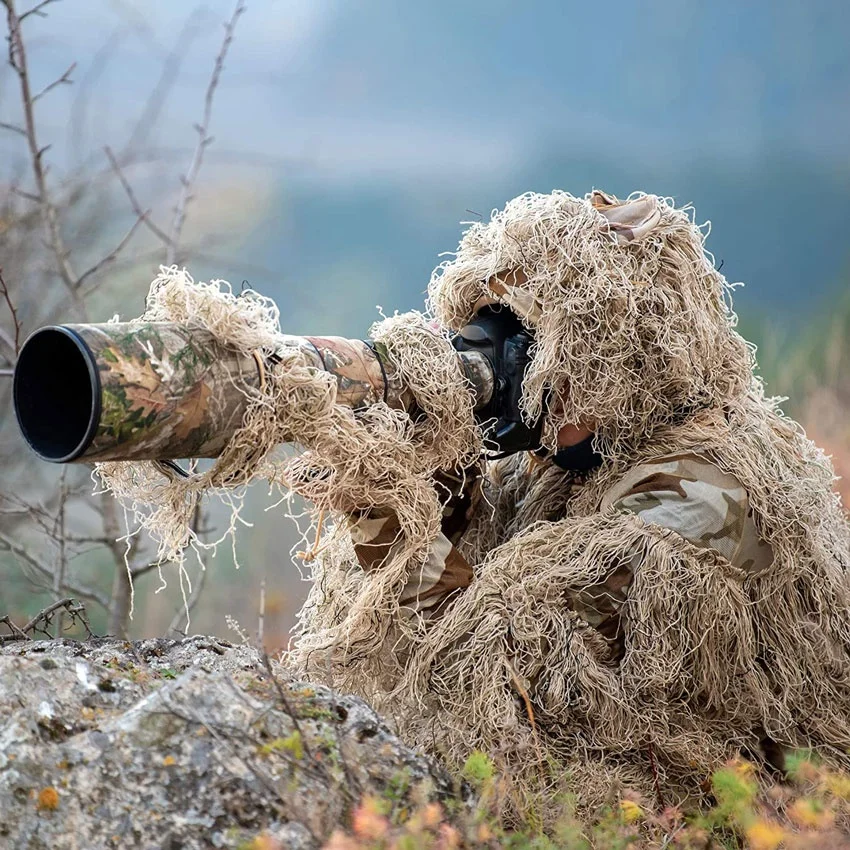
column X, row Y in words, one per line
column 684, row 493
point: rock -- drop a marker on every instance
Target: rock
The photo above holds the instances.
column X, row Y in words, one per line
column 185, row 744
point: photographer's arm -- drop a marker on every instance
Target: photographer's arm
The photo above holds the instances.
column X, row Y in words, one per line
column 445, row 571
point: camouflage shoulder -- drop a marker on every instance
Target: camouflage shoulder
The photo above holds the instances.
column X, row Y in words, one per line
column 691, row 495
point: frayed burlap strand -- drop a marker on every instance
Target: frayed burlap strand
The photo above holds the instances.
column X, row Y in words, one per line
column 354, row 460
column 637, row 338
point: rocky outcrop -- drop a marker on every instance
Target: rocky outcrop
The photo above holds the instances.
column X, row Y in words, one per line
column 185, row 744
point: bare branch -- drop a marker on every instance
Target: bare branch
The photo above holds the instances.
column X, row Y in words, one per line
column 204, row 139
column 64, row 80
column 60, row 536
column 144, row 569
column 29, row 196
column 14, row 128
column 287, row 706
column 4, row 291
column 134, row 203
column 73, row 282
column 83, row 591
column 9, row 345
column 18, row 61
column 36, row 10
column 110, row 256
column 17, row 633
column 168, row 76
column 42, row 621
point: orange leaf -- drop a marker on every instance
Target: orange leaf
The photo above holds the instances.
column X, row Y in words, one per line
column 192, row 411
column 139, row 373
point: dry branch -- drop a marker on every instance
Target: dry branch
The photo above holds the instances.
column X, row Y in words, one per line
column 42, row 621
column 51, row 569
column 12, row 343
column 143, row 215
column 80, row 590
column 204, row 139
column 64, row 80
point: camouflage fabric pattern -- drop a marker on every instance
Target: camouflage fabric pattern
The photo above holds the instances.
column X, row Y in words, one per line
column 693, row 497
column 359, row 372
column 684, row 493
column 166, row 391
column 170, row 391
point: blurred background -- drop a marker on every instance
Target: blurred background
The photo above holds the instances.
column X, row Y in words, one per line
column 345, row 144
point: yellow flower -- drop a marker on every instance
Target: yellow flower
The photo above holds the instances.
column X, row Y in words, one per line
column 631, row 811
column 265, row 842
column 765, row 835
column 744, row 769
column 811, row 813
column 838, row 784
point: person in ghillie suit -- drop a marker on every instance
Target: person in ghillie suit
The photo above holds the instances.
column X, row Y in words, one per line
column 665, row 586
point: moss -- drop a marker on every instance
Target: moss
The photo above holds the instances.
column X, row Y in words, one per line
column 292, row 744
column 478, row 769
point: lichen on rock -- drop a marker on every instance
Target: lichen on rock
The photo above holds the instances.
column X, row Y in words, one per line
column 188, row 744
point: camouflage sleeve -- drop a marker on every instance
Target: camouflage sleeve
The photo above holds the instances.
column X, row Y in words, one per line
column 445, row 571
column 364, row 376
column 689, row 495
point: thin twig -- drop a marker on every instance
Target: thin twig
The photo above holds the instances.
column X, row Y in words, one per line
column 204, row 139
column 144, row 569
column 65, row 80
column 223, row 740
column 37, row 10
column 28, row 196
column 46, row 612
column 105, row 261
column 261, row 621
column 18, row 61
column 60, row 535
column 15, row 343
column 134, row 202
column 17, row 632
column 169, row 75
column 287, row 706
column 76, row 609
column 80, row 590
column 13, row 128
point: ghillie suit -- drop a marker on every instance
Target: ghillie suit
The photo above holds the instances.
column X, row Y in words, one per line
column 685, row 598
column 641, row 621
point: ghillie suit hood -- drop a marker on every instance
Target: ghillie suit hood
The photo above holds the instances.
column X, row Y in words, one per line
column 634, row 334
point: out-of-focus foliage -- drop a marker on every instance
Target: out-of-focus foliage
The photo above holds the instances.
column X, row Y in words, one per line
column 808, row 811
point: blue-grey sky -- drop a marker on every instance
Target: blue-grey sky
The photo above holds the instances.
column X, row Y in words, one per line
column 363, row 132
